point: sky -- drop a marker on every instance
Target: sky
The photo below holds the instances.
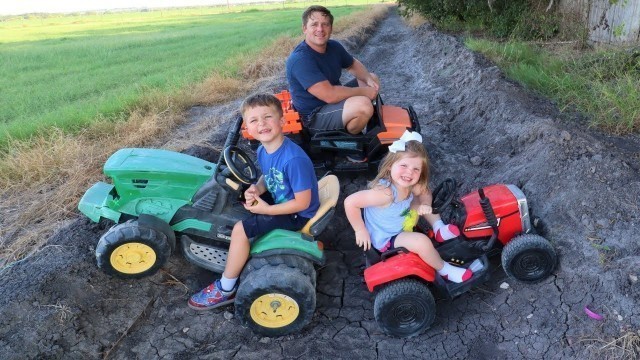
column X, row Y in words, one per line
column 18, row 7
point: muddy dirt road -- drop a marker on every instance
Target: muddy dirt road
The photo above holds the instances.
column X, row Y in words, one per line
column 479, row 128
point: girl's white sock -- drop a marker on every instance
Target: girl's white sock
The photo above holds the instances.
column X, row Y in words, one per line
column 445, row 232
column 454, row 273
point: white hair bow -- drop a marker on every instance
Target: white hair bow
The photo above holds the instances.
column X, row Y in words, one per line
column 399, row 145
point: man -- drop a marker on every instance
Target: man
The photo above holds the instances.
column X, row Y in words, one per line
column 313, row 72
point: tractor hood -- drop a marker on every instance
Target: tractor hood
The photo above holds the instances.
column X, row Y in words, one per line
column 156, row 160
column 154, row 173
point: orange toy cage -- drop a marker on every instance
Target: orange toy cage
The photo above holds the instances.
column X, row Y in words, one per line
column 292, row 124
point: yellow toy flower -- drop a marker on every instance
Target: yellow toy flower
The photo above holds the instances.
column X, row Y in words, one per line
column 410, row 220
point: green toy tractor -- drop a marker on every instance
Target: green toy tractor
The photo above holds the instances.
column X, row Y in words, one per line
column 160, row 196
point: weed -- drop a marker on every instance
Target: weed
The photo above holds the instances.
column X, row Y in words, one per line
column 63, row 312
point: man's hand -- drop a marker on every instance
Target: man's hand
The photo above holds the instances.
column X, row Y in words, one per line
column 371, row 82
column 363, row 239
column 370, row 92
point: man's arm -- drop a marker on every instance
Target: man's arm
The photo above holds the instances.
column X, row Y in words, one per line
column 332, row 94
column 361, row 73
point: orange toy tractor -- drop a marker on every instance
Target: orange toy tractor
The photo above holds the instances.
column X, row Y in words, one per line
column 329, row 149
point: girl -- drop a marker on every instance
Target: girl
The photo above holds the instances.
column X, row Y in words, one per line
column 401, row 185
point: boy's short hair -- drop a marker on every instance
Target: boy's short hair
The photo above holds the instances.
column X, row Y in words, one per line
column 261, row 100
column 316, row 8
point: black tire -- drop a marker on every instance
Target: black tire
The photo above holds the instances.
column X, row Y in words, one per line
column 131, row 250
column 528, row 258
column 275, row 300
column 297, row 262
column 404, row 308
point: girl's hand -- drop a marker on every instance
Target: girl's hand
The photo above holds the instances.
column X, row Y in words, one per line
column 363, row 239
column 425, row 210
column 257, row 206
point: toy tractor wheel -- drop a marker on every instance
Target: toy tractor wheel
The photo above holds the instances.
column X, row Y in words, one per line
column 275, row 300
column 132, row 250
column 528, row 258
column 303, row 265
column 404, row 308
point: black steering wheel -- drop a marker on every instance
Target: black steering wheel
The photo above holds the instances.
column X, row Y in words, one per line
column 443, row 195
column 240, row 165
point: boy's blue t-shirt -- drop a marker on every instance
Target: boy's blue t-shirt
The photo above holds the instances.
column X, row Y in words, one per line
column 306, row 67
column 287, row 171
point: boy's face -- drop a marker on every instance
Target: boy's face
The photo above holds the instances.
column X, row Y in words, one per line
column 264, row 123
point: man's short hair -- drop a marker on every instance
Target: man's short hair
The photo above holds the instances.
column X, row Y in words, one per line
column 261, row 100
column 316, row 8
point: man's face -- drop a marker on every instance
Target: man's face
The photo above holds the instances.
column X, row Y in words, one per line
column 317, row 30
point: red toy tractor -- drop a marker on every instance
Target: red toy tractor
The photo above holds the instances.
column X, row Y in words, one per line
column 492, row 219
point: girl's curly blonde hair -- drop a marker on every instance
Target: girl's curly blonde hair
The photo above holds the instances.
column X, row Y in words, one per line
column 412, row 149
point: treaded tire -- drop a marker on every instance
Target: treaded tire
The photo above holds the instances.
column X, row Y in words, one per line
column 305, row 266
column 131, row 232
column 275, row 280
column 528, row 258
column 404, row 308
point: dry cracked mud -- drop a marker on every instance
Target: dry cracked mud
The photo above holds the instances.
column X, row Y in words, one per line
column 481, row 129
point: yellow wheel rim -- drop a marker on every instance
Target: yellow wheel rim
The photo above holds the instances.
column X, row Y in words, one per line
column 274, row 310
column 133, row 258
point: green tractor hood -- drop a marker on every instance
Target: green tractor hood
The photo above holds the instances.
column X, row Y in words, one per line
column 150, row 181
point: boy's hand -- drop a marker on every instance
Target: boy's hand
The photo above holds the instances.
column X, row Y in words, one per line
column 257, row 206
column 251, row 194
column 363, row 239
column 425, row 210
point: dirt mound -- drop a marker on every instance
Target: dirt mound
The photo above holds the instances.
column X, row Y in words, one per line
column 479, row 128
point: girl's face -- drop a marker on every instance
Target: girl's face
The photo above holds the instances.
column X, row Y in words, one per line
column 406, row 171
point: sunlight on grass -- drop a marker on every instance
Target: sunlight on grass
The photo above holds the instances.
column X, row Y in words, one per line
column 101, row 67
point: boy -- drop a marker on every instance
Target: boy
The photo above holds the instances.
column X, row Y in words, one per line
column 289, row 177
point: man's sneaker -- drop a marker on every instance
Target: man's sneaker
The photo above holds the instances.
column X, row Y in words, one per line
column 212, row 297
column 356, row 158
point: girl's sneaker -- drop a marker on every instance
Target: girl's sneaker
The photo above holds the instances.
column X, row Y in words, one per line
column 212, row 297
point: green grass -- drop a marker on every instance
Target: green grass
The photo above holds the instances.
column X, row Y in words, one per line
column 603, row 84
column 67, row 71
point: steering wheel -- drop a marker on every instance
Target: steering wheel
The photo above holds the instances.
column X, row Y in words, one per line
column 443, row 195
column 240, row 165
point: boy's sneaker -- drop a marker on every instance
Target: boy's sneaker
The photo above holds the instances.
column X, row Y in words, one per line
column 212, row 297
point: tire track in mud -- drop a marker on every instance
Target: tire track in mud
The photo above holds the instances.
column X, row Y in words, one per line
column 479, row 128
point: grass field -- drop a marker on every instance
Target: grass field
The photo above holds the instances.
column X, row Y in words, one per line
column 68, row 71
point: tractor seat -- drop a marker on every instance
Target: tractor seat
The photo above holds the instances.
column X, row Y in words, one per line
column 328, row 192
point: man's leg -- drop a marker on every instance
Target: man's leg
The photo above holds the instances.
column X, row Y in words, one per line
column 356, row 113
